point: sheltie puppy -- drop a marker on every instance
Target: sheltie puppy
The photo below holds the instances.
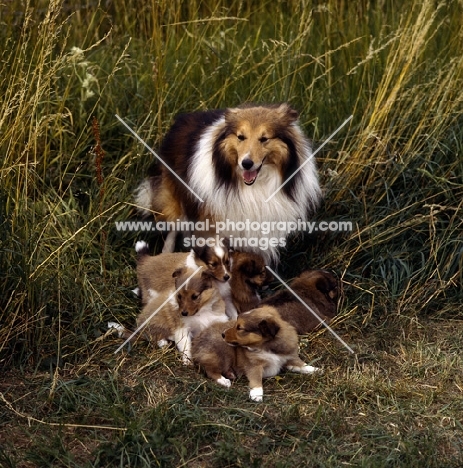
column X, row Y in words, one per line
column 154, row 273
column 195, row 306
column 259, row 344
column 249, row 276
column 242, row 165
column 319, row 289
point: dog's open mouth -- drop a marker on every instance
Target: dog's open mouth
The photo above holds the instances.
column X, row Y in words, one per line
column 250, row 177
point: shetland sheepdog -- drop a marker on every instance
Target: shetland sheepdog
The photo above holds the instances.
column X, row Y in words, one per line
column 249, row 276
column 154, row 272
column 246, row 164
column 319, row 289
column 196, row 305
column 258, row 344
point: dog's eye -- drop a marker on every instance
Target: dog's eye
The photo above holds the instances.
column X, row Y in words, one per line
column 241, row 137
column 213, row 265
column 263, row 139
column 179, row 297
column 195, row 296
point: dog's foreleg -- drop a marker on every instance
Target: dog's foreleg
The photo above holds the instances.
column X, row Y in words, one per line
column 301, row 367
column 256, row 392
column 182, row 338
column 169, row 243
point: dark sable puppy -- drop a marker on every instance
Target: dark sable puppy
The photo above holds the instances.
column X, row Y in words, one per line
column 249, row 275
column 258, row 344
column 216, row 357
column 319, row 289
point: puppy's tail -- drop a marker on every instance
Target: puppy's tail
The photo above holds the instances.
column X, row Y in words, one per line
column 142, row 249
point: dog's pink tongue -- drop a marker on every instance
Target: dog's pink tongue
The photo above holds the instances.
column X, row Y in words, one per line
column 249, row 176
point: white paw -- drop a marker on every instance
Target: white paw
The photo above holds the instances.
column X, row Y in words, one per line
column 256, row 394
column 224, row 382
column 117, row 326
column 304, row 369
column 186, row 361
column 162, row 343
column 140, row 245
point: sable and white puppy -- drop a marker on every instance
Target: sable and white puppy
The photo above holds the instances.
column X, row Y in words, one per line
column 259, row 344
column 195, row 306
column 154, row 272
column 319, row 289
column 249, row 276
column 249, row 163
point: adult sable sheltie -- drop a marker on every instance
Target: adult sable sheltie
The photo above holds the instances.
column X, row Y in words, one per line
column 234, row 160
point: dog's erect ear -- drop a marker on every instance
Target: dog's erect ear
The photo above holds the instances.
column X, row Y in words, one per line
column 288, row 113
column 268, row 328
column 177, row 272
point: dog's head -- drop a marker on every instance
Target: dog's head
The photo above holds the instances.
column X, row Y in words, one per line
column 253, row 329
column 323, row 286
column 323, row 280
column 250, row 268
column 215, row 259
column 196, row 291
column 258, row 135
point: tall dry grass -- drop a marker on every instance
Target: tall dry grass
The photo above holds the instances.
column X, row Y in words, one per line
column 396, row 172
column 68, row 170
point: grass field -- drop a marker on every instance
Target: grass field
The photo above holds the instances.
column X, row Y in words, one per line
column 68, row 169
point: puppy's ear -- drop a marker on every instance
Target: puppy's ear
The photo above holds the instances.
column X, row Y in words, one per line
column 206, row 277
column 328, row 286
column 226, row 244
column 268, row 328
column 177, row 272
column 199, row 252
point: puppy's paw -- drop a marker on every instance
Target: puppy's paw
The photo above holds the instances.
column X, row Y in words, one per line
column 186, row 360
column 306, row 369
column 256, row 393
column 117, row 326
column 224, row 382
column 162, row 343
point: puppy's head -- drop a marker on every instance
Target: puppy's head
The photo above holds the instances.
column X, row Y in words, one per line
column 253, row 329
column 250, row 268
column 215, row 259
column 323, row 281
column 196, row 291
column 256, row 136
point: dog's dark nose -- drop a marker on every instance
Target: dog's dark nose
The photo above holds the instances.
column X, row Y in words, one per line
column 184, row 313
column 247, row 163
column 226, row 277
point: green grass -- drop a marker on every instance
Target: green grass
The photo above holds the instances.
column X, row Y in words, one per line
column 396, row 171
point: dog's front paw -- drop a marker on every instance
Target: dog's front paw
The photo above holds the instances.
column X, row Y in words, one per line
column 117, row 326
column 186, row 360
column 306, row 369
column 256, row 393
column 224, row 382
column 162, row 343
